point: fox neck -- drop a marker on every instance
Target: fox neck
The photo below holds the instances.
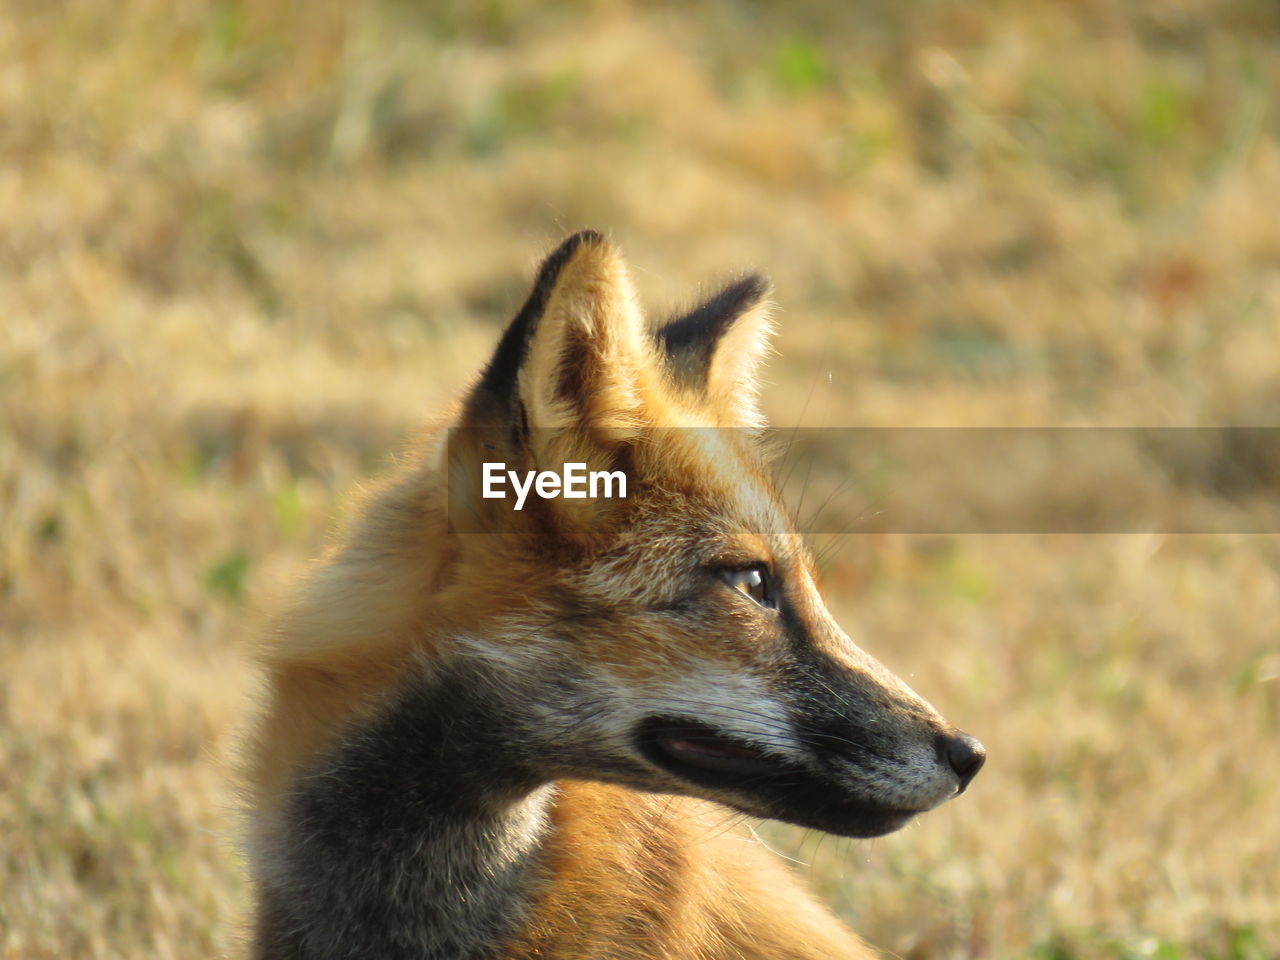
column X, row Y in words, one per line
column 416, row 837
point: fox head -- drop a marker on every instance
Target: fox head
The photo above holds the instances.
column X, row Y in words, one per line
column 673, row 640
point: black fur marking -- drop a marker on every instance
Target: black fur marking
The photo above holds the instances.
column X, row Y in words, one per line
column 689, row 342
column 408, row 841
column 574, row 376
column 498, row 381
column 850, row 726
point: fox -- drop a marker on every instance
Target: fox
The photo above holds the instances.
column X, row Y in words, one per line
column 499, row 734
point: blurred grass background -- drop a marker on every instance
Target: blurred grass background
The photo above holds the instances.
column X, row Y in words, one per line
column 247, row 247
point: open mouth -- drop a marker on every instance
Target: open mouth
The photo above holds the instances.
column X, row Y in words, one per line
column 704, row 755
column 778, row 788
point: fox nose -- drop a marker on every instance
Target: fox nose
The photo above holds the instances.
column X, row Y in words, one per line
column 965, row 755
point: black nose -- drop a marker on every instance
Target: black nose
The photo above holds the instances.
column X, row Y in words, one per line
column 966, row 756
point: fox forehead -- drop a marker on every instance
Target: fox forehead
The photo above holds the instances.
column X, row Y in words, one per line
column 714, row 478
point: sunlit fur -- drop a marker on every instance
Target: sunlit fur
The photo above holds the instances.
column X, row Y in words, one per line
column 515, row 657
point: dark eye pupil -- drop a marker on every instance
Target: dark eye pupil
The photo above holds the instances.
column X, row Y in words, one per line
column 752, row 581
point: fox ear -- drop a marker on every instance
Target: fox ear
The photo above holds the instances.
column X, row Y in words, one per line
column 716, row 348
column 574, row 354
column 566, row 384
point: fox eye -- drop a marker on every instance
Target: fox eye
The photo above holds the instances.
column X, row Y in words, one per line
column 752, row 581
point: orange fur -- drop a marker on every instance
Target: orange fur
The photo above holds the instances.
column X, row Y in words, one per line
column 619, row 873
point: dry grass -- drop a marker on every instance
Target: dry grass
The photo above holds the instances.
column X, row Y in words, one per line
column 247, row 246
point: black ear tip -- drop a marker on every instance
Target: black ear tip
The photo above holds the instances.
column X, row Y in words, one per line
column 587, row 235
column 583, row 238
column 743, row 294
column 561, row 255
column 700, row 328
column 755, row 287
column 499, row 377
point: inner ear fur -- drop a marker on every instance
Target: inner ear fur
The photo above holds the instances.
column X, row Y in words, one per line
column 570, row 378
column 575, row 355
column 588, row 358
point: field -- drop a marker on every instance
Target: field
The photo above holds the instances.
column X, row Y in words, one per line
column 247, row 248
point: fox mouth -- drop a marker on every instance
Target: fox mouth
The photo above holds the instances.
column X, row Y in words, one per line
column 704, row 755
column 771, row 786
